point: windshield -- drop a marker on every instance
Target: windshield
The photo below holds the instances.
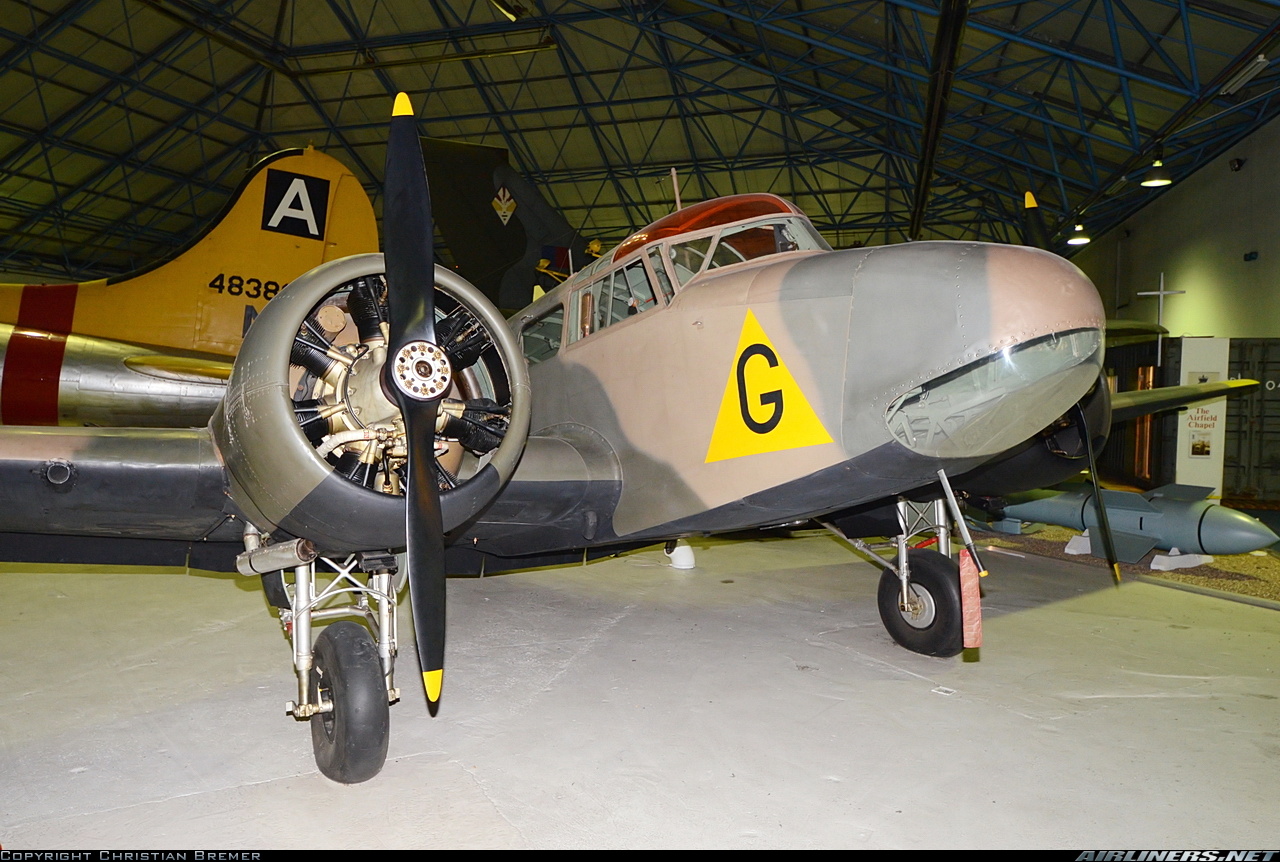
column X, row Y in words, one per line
column 744, row 243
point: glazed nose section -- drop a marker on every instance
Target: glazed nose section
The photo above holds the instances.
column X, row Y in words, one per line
column 997, row 402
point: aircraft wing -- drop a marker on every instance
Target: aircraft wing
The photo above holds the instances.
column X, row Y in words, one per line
column 142, row 496
column 1122, row 331
column 1130, row 405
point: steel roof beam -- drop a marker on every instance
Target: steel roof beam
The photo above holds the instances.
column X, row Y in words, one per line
column 827, row 96
column 946, row 49
column 1207, row 95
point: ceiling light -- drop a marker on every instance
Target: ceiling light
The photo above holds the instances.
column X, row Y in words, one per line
column 1157, row 175
column 1078, row 237
column 509, row 11
column 1244, row 76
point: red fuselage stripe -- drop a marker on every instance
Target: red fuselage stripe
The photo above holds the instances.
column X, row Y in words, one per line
column 33, row 361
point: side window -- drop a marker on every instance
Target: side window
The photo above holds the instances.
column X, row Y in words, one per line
column 620, row 300
column 799, row 234
column 611, row 299
column 687, row 257
column 588, row 309
column 540, row 338
column 632, row 292
column 602, row 302
column 660, row 272
column 639, row 286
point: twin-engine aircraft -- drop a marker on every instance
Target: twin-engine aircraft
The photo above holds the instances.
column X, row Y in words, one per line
column 721, row 369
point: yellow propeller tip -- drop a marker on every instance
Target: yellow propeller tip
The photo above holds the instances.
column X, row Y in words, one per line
column 433, row 681
column 403, row 107
column 1115, row 573
column 1029, row 201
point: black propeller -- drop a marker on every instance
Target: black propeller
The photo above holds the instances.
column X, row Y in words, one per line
column 417, row 373
column 1100, row 507
column 1036, row 235
column 1034, row 232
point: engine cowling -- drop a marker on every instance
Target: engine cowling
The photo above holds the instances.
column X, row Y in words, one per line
column 315, row 449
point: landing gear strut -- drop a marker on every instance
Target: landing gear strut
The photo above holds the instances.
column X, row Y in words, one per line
column 922, row 597
column 919, row 601
column 346, row 680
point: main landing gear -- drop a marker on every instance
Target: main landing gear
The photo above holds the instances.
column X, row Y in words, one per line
column 921, row 595
column 923, row 614
column 346, row 681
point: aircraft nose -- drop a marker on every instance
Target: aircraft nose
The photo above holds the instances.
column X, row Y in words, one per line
column 1226, row 531
column 989, row 344
column 1031, row 293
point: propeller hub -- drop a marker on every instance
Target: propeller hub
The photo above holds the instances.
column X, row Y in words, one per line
column 421, row 371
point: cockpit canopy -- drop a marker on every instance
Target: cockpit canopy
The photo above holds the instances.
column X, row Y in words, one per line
column 741, row 243
column 708, row 214
column 691, row 242
column 699, row 238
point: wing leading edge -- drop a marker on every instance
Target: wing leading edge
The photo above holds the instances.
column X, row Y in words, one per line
column 1141, row 402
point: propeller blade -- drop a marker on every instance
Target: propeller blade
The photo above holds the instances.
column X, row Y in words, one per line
column 1034, row 232
column 418, row 374
column 1100, row 507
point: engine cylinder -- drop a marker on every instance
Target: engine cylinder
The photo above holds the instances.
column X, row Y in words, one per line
column 276, row 476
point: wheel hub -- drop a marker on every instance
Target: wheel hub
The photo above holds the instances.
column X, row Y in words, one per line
column 921, row 610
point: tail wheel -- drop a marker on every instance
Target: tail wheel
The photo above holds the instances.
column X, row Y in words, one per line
column 350, row 736
column 930, row 623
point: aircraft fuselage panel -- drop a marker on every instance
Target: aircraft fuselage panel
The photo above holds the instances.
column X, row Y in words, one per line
column 842, row 375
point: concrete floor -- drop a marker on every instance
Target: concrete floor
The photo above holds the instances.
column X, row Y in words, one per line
column 754, row 701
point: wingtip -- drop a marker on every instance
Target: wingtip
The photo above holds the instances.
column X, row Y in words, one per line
column 403, row 107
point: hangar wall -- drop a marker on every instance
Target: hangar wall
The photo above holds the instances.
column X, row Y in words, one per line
column 1198, row 233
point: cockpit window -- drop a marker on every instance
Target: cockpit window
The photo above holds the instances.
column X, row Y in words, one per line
column 632, row 292
column 615, row 297
column 660, row 272
column 687, row 257
column 540, row 338
column 752, row 241
column 744, row 243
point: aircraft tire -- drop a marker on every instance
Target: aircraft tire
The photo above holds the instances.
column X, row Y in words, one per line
column 273, row 588
column 937, row 629
column 350, row 743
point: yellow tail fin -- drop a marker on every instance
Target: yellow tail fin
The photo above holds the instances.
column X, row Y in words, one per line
column 295, row 210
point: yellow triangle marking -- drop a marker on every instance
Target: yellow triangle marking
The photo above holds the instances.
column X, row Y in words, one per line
column 433, row 681
column 763, row 409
